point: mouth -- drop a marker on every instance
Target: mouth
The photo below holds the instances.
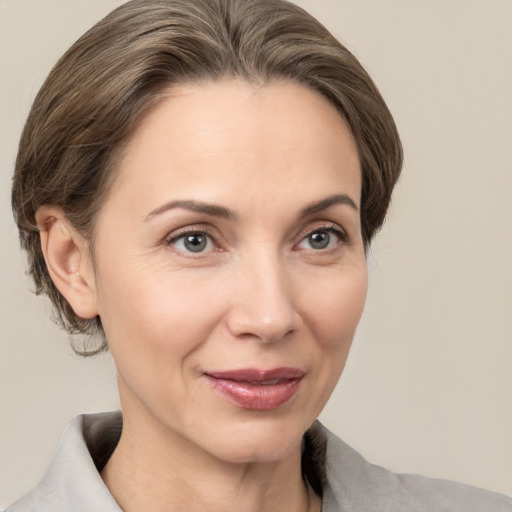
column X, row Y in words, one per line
column 259, row 390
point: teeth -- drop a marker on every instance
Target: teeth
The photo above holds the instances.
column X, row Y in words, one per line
column 271, row 382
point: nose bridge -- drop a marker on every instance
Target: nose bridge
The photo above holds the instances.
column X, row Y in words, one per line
column 263, row 303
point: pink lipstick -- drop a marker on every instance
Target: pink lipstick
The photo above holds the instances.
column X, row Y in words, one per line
column 259, row 390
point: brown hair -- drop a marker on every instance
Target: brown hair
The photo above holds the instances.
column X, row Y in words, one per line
column 117, row 71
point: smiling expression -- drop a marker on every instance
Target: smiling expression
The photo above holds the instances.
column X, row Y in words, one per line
column 230, row 270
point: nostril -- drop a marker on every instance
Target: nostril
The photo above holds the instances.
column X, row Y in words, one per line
column 268, row 329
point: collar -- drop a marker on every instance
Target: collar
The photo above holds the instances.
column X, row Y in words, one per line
column 73, row 480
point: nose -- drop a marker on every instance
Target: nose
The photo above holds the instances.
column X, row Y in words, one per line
column 262, row 305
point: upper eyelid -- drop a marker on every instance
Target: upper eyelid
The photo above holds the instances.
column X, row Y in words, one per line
column 175, row 236
column 341, row 242
column 188, row 230
column 322, row 225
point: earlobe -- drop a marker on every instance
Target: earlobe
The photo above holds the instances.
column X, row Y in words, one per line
column 68, row 261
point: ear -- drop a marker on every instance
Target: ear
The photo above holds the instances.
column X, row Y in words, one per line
column 68, row 261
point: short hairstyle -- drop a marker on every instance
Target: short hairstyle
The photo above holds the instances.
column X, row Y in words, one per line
column 99, row 91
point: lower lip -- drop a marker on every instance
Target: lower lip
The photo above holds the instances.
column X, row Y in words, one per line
column 255, row 396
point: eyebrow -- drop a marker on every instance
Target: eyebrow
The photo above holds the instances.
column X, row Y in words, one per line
column 195, row 206
column 226, row 213
column 327, row 203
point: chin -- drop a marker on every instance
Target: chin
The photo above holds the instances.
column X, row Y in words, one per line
column 261, row 441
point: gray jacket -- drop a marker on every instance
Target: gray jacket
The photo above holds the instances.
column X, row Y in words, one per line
column 346, row 481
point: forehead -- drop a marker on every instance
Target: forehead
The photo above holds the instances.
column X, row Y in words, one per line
column 204, row 140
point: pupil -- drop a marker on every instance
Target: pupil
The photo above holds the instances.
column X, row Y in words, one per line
column 195, row 243
column 319, row 240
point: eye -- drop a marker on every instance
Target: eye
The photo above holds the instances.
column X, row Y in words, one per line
column 193, row 242
column 322, row 239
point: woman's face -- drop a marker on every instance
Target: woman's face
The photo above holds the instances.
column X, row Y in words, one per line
column 230, row 271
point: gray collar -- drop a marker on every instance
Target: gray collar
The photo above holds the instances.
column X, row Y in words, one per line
column 347, row 482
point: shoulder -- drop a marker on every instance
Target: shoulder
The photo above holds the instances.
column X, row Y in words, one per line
column 72, row 480
column 24, row 504
column 350, row 483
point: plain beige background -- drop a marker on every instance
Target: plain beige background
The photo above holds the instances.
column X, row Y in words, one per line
column 428, row 386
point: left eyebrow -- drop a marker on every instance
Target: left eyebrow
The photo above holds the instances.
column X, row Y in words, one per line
column 328, row 202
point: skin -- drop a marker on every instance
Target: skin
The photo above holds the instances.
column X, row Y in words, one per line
column 260, row 294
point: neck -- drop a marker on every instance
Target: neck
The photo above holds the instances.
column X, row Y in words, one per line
column 166, row 473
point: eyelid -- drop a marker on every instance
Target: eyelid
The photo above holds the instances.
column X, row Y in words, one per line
column 179, row 233
column 176, row 235
column 330, row 227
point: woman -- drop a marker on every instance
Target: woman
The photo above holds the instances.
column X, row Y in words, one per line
column 196, row 187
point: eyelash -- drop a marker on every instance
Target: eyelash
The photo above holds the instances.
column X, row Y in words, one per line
column 340, row 234
column 172, row 239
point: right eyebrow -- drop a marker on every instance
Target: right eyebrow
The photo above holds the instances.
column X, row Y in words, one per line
column 194, row 206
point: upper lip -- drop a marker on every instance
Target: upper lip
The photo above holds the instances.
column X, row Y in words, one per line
column 258, row 375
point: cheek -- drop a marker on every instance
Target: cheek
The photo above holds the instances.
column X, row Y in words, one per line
column 158, row 311
column 335, row 309
column 156, row 328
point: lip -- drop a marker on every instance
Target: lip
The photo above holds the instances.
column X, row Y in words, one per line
column 255, row 389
